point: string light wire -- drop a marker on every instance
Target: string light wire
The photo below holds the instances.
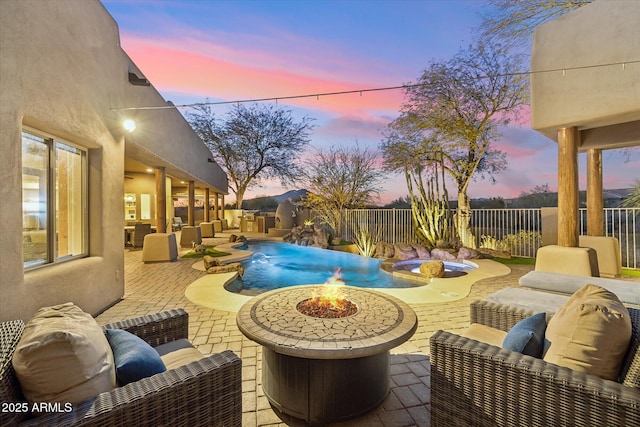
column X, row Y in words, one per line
column 377, row 89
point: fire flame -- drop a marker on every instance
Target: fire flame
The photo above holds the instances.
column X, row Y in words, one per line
column 331, row 296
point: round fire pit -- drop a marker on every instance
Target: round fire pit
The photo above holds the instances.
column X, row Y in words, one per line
column 320, row 368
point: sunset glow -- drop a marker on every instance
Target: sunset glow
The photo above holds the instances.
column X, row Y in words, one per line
column 221, row 51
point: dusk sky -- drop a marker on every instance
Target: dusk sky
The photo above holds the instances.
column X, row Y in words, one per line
column 223, row 50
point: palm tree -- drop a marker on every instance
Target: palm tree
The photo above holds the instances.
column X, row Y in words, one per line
column 633, row 201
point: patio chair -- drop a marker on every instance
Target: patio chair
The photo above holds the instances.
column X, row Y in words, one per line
column 139, row 232
column 473, row 383
column 176, row 223
column 204, row 392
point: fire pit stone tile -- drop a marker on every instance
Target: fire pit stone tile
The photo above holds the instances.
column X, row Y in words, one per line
column 381, row 323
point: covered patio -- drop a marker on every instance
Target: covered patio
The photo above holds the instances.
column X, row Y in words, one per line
column 585, row 96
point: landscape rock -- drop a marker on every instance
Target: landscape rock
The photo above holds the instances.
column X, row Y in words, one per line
column 307, row 235
column 421, row 251
column 200, row 249
column 384, row 250
column 432, row 269
column 467, row 253
column 227, row 268
column 404, row 251
column 209, row 262
column 492, row 253
column 233, row 238
column 442, row 255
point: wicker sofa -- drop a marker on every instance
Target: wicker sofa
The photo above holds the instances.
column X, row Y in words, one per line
column 206, row 392
column 476, row 384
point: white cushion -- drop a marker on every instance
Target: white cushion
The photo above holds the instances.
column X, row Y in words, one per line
column 63, row 356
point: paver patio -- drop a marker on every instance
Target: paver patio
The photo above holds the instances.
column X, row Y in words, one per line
column 154, row 287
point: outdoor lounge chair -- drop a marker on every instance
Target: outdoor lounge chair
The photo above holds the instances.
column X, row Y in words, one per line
column 205, row 392
column 176, row 223
column 140, row 231
column 477, row 384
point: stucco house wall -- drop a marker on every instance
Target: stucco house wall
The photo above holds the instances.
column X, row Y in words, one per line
column 62, row 71
column 601, row 100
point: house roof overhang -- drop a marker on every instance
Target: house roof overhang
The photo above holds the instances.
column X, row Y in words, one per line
column 586, row 74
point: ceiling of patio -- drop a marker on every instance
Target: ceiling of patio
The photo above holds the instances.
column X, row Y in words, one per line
column 178, row 178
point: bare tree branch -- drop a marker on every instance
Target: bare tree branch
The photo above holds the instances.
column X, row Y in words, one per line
column 253, row 143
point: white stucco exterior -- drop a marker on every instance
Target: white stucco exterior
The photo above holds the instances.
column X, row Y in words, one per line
column 62, row 72
column 601, row 100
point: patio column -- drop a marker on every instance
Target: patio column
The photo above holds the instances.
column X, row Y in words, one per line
column 161, row 199
column 191, row 217
column 568, row 142
column 595, row 204
column 206, row 204
column 215, row 207
column 222, row 208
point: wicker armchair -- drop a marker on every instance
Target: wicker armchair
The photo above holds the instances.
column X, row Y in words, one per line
column 476, row 384
column 207, row 392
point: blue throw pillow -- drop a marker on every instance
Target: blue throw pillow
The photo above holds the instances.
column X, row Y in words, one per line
column 527, row 336
column 134, row 358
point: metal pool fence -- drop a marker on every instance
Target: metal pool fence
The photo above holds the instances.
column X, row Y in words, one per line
column 517, row 230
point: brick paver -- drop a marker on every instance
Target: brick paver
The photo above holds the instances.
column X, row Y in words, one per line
column 154, row 287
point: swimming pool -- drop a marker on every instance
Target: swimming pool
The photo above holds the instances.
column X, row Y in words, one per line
column 276, row 265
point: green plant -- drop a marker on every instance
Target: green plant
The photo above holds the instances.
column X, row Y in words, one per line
column 308, row 222
column 490, row 242
column 523, row 239
column 209, row 251
column 366, row 237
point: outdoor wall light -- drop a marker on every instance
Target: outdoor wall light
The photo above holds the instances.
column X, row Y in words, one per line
column 129, row 125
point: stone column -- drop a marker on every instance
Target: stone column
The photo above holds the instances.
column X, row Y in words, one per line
column 568, row 142
column 595, row 204
column 206, row 205
column 222, row 207
column 215, row 207
column 191, row 217
column 161, row 199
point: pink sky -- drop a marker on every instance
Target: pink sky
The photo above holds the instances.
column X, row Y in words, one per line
column 194, row 51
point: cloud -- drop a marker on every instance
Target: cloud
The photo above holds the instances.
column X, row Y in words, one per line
column 354, row 127
column 213, row 72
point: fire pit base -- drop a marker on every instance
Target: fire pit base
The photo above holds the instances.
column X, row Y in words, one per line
column 324, row 390
column 326, row 369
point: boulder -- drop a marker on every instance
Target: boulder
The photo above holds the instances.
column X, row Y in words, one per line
column 232, row 238
column 200, row 249
column 467, row 253
column 404, row 251
column 227, row 268
column 321, row 239
column 431, row 269
column 421, row 251
column 384, row 250
column 209, row 262
column 442, row 255
column 492, row 253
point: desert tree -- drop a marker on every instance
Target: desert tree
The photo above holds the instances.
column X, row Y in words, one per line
column 458, row 107
column 512, row 22
column 253, row 142
column 340, row 178
column 410, row 151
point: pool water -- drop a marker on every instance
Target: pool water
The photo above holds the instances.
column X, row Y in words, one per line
column 276, row 265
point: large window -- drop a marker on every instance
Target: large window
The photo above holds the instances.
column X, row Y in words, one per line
column 54, row 200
